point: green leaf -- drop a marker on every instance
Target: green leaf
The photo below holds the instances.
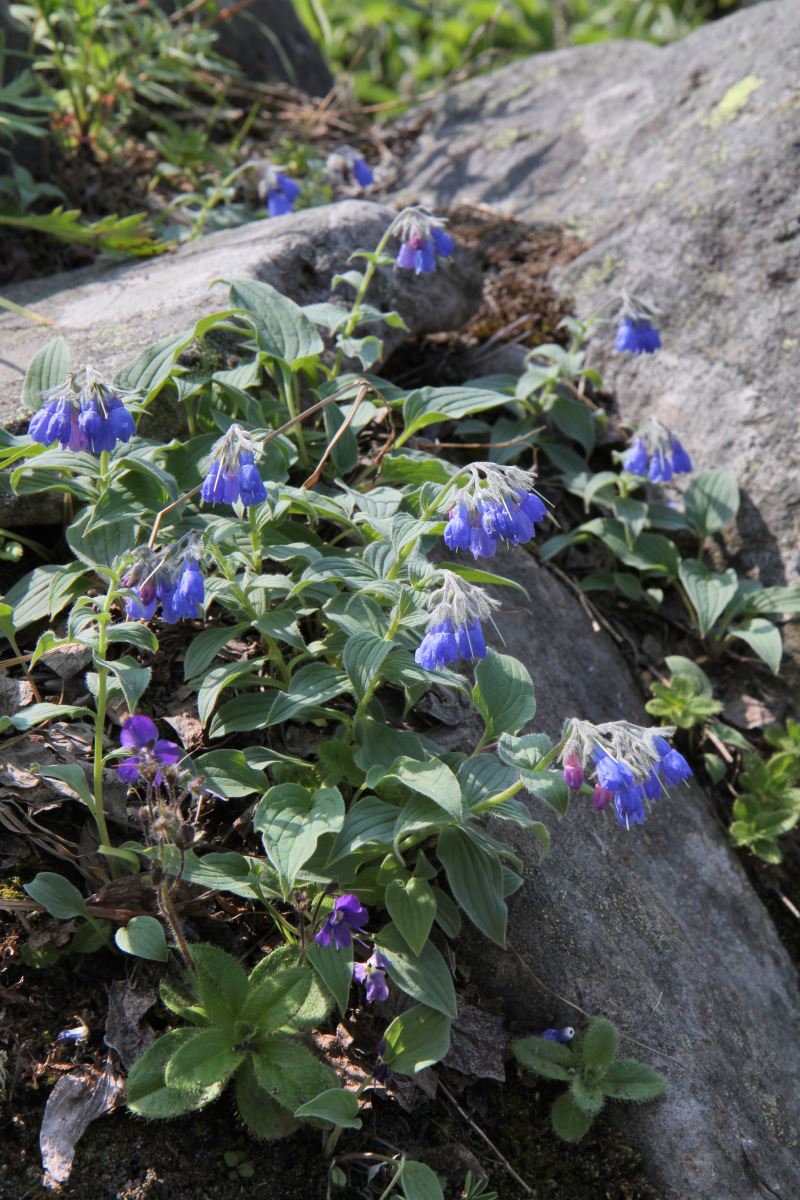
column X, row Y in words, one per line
column 569, row 1122
column 30, row 596
column 575, row 420
column 37, row 714
column 423, row 977
column 204, row 1059
column 678, row 665
column 412, row 907
column 708, row 592
column 263, row 1117
column 600, row 1042
column 273, row 1001
column 283, row 331
column 336, row 1106
column 419, row 1182
column 431, row 779
column 229, row 773
column 476, row 881
column 48, row 369
column 588, row 1097
column 133, row 679
column 60, row 897
column 774, row 600
column 133, row 633
column 362, row 658
column 206, row 646
column 416, row 1039
column 100, row 545
column 143, row 937
column 711, row 501
column 74, row 776
column 291, row 819
column 317, row 1004
column 763, row 637
column 526, row 752
column 146, row 1090
column 221, row 983
column 429, row 405
column 335, row 970
column 627, row 1079
column 503, row 694
column 549, row 1059
column 290, row 1074
column 150, row 370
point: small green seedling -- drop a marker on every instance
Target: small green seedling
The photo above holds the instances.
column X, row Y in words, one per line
column 238, row 1028
column 686, row 699
column 591, row 1068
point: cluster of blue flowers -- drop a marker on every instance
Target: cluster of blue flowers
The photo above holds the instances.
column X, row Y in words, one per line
column 423, row 240
column 282, row 191
column 656, row 454
column 90, row 417
column 637, row 336
column 454, row 630
column 637, row 333
column 174, row 579
column 631, row 765
column 500, row 507
column 232, row 474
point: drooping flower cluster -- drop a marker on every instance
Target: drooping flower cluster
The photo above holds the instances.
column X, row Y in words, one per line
column 372, row 974
column 172, row 577
column 348, row 166
column 232, row 474
column 89, row 415
column 637, row 333
column 348, row 917
column 656, row 453
column 278, row 189
column 423, row 240
column 454, row 631
column 497, row 504
column 631, row 765
column 152, row 754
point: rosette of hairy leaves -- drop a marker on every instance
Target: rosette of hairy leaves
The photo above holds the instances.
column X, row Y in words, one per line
column 239, row 1029
column 589, row 1065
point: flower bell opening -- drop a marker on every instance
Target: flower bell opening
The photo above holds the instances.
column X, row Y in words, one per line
column 372, row 974
column 637, row 333
column 348, row 917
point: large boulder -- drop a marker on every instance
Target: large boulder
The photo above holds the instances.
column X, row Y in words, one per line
column 656, row 928
column 107, row 314
column 680, row 166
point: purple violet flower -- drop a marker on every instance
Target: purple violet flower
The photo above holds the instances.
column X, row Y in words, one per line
column 372, row 973
column 140, row 734
column 348, row 917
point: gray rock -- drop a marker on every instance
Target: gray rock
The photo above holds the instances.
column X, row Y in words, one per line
column 656, row 928
column 108, row 314
column 680, row 166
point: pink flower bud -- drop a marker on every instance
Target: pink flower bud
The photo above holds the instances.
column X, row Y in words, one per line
column 573, row 772
column 601, row 797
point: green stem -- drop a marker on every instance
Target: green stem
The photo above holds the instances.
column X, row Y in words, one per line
column 99, row 726
column 336, row 1133
column 433, row 507
column 288, row 385
column 255, row 540
column 355, row 314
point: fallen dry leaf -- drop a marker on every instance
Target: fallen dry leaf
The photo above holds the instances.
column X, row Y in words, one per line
column 75, row 1101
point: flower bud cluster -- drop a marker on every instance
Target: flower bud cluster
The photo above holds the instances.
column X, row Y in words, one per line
column 232, row 474
column 349, row 167
column 630, row 764
column 87, row 415
column 656, row 453
column 498, row 504
column 423, row 240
